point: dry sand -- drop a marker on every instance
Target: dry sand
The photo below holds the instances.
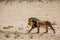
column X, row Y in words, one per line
column 17, row 14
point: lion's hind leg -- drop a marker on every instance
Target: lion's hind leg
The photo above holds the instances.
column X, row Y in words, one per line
column 52, row 28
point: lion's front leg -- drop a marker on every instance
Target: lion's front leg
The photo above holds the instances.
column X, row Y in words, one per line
column 38, row 30
column 31, row 29
column 38, row 27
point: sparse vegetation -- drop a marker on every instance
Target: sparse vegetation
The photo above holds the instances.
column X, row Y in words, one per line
column 7, row 35
column 5, row 27
column 16, row 36
column 8, row 27
column 29, row 0
column 31, row 36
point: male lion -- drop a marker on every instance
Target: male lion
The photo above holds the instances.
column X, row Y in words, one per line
column 36, row 23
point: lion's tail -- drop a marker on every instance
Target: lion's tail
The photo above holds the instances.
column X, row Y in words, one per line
column 53, row 23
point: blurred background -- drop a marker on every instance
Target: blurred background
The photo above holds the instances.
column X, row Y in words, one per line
column 30, row 0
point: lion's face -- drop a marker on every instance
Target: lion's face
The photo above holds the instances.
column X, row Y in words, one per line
column 30, row 22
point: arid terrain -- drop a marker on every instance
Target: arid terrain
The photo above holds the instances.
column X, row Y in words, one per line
column 14, row 17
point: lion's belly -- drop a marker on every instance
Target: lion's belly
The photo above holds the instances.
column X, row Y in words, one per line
column 43, row 26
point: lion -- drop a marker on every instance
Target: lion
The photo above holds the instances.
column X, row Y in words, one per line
column 36, row 23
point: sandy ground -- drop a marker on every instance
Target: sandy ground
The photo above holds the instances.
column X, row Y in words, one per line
column 16, row 15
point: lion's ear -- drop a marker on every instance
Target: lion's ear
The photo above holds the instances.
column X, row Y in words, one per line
column 31, row 19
